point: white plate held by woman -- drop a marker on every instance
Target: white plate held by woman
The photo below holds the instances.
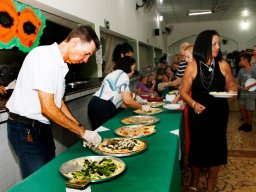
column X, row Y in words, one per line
column 223, row 94
column 172, row 106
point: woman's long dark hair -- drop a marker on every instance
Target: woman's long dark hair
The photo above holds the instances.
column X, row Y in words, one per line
column 203, row 47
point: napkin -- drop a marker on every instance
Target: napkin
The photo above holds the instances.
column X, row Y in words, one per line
column 102, row 128
column 175, row 132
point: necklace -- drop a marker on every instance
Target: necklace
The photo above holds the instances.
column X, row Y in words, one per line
column 208, row 66
column 206, row 80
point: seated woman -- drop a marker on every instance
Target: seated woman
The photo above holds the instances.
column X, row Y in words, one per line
column 167, row 77
column 113, row 93
column 168, row 74
column 142, row 86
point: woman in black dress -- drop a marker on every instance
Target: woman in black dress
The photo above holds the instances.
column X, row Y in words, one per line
column 208, row 116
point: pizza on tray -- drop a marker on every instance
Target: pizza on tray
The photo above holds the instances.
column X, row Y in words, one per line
column 137, row 120
column 151, row 112
column 136, row 130
column 121, row 145
column 155, row 104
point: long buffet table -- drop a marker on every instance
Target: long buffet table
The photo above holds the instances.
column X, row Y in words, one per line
column 156, row 169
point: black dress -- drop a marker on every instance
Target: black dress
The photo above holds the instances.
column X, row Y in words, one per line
column 208, row 143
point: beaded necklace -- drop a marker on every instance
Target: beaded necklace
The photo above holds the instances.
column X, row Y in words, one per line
column 206, row 80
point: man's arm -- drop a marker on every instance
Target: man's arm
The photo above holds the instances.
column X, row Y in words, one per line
column 50, row 110
column 67, row 112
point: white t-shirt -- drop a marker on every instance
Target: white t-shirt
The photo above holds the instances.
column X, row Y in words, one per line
column 112, row 87
column 43, row 69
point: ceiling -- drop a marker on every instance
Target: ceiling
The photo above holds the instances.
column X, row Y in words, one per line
column 176, row 11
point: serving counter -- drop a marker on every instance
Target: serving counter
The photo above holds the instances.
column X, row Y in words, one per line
column 156, row 169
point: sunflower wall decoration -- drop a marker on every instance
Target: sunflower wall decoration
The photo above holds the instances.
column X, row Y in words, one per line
column 20, row 25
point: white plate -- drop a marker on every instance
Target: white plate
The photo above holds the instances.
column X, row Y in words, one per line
column 172, row 106
column 223, row 94
column 250, row 82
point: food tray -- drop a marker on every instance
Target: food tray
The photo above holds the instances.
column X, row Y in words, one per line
column 136, row 137
column 153, row 113
column 154, row 104
column 72, row 165
column 155, row 120
column 99, row 152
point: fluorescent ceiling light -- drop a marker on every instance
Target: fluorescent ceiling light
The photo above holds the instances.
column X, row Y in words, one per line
column 161, row 18
column 245, row 13
column 199, row 12
column 161, row 1
column 245, row 25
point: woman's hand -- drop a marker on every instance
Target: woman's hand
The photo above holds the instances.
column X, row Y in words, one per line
column 161, row 86
column 198, row 108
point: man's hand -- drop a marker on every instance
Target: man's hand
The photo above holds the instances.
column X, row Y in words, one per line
column 92, row 137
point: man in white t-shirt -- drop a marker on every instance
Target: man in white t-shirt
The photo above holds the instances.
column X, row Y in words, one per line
column 37, row 99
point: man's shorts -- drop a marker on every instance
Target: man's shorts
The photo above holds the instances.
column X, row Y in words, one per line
column 249, row 103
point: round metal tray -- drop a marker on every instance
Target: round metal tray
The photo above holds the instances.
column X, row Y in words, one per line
column 141, row 136
column 99, row 152
column 155, row 120
column 156, row 104
column 160, row 111
column 72, row 165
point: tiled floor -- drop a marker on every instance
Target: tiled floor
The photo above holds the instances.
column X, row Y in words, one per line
column 239, row 175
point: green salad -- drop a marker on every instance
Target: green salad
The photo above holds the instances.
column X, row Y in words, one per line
column 93, row 170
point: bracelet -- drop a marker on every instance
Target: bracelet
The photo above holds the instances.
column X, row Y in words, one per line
column 193, row 104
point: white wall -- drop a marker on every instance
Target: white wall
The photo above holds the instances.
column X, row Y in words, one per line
column 121, row 14
column 230, row 29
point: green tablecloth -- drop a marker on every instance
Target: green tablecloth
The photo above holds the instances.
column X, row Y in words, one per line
column 156, row 169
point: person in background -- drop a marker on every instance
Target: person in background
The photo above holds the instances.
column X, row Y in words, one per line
column 151, row 80
column 37, row 99
column 175, row 63
column 208, row 116
column 159, row 77
column 253, row 59
column 174, row 67
column 162, row 63
column 142, row 85
column 113, row 93
column 188, row 54
column 127, row 50
column 168, row 75
column 120, row 51
column 182, row 62
column 246, row 98
column 187, row 57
